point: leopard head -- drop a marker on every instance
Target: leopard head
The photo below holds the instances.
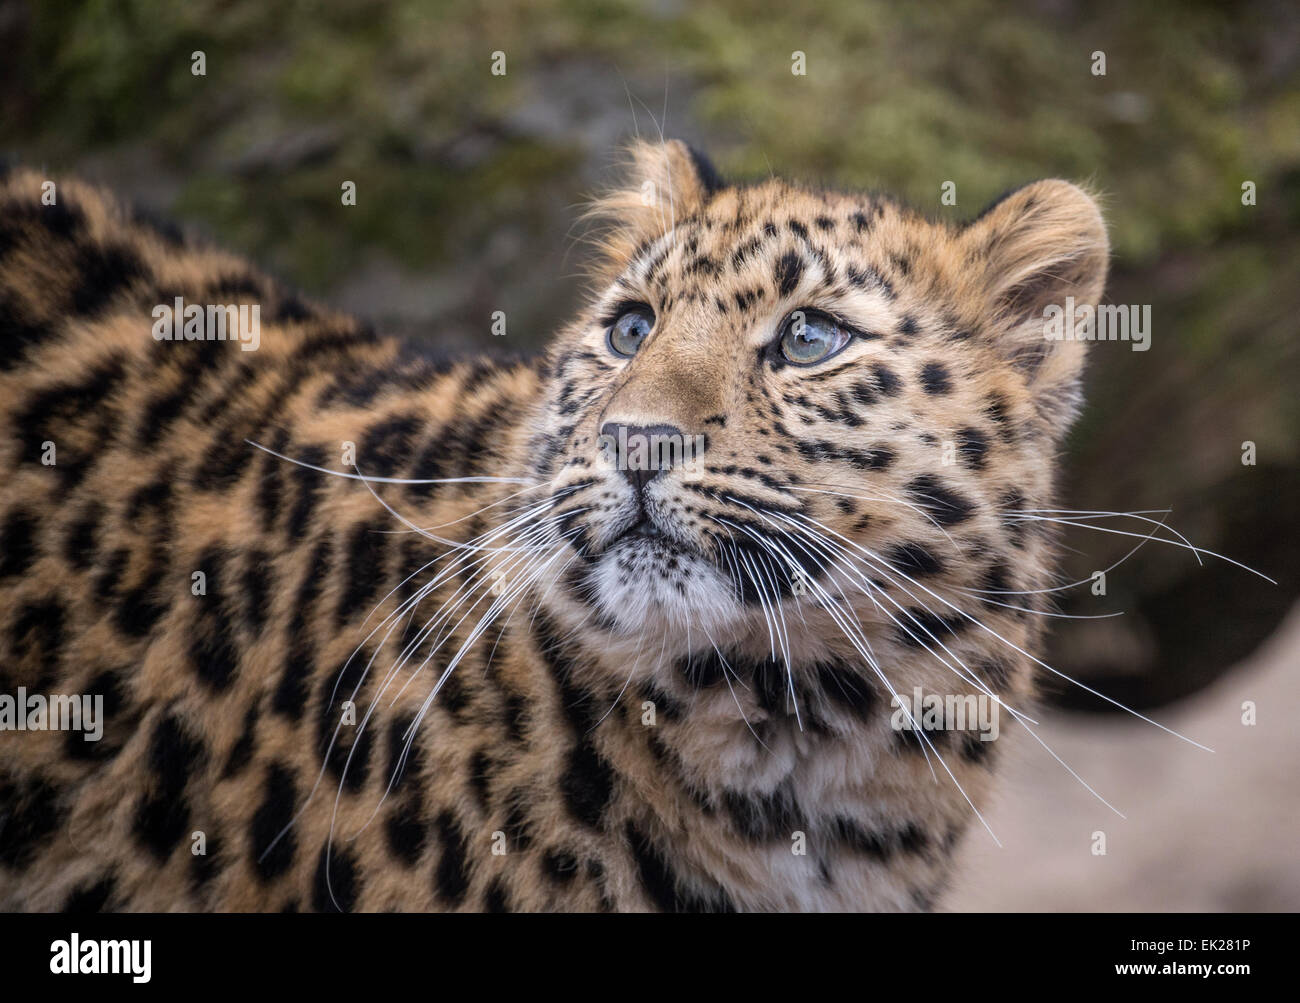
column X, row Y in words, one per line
column 791, row 410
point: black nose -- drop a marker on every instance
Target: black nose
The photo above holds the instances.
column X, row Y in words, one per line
column 643, row 452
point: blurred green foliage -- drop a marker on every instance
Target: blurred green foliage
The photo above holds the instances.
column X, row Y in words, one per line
column 1196, row 99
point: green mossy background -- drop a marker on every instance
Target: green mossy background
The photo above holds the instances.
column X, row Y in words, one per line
column 469, row 184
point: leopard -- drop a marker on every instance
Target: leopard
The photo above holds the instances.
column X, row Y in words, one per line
column 633, row 623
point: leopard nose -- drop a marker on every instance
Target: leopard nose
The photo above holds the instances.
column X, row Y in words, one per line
column 642, row 452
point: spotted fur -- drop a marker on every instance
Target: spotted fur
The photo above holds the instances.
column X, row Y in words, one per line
column 586, row 718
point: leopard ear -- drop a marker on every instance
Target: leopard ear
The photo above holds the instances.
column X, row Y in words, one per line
column 664, row 182
column 1028, row 253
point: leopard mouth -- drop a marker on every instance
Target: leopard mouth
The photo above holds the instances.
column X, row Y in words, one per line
column 646, row 578
column 651, row 546
column 753, row 571
column 645, row 528
column 645, row 537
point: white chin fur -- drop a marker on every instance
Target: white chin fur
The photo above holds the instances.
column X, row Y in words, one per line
column 637, row 588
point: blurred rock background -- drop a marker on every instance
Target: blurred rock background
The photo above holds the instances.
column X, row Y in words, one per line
column 469, row 184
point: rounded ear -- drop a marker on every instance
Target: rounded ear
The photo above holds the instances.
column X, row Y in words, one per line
column 1037, row 253
column 664, row 183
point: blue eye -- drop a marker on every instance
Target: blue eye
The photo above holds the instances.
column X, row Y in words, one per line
column 632, row 327
column 809, row 337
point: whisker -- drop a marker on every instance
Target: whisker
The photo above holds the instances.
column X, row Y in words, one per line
column 393, row 480
column 409, row 735
column 1140, row 516
column 1172, row 543
column 1017, row 648
column 1024, row 719
column 1047, row 612
column 727, row 672
column 961, row 669
column 883, row 496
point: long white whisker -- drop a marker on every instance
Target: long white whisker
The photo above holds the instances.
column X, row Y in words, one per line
column 1022, row 651
column 1172, row 543
column 393, row 480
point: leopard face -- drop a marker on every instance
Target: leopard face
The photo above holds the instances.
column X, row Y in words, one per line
column 861, row 396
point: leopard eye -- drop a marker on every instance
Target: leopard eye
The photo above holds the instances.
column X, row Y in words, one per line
column 809, row 337
column 633, row 325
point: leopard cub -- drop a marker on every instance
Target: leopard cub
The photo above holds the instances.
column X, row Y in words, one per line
column 654, row 621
